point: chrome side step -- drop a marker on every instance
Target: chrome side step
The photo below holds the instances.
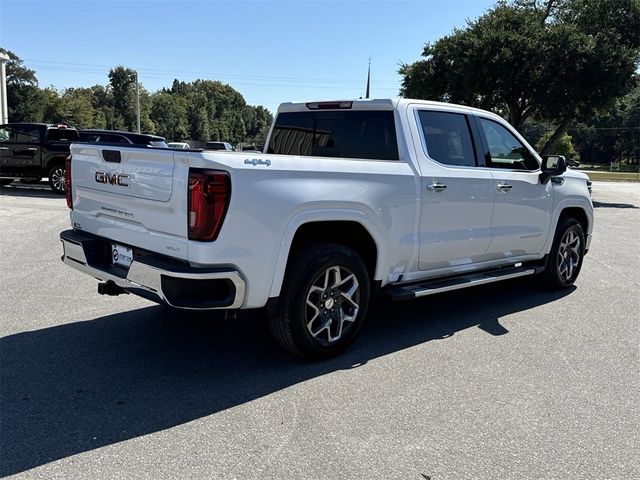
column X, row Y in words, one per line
column 431, row 287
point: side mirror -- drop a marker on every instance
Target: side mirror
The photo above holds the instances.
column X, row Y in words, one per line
column 552, row 166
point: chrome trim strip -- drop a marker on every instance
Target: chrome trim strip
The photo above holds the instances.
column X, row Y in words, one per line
column 480, row 281
column 149, row 278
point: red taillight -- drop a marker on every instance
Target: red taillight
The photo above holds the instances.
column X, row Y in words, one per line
column 67, row 182
column 209, row 194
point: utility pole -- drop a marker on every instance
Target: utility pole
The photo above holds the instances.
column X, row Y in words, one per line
column 4, row 112
column 137, row 101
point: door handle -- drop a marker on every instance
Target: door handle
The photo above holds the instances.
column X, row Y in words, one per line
column 32, row 149
column 436, row 187
column 504, row 187
column 4, row 148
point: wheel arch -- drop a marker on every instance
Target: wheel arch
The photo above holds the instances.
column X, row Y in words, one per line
column 578, row 214
column 54, row 160
column 582, row 214
column 352, row 229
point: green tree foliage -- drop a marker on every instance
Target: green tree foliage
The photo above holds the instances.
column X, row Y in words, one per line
column 614, row 135
column 169, row 112
column 563, row 147
column 123, row 100
column 555, row 60
column 24, row 98
column 199, row 111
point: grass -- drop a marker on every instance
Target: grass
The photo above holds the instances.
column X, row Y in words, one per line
column 613, row 176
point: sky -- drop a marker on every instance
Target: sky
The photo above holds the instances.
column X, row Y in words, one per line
column 270, row 51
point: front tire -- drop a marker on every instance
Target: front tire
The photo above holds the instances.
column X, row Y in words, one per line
column 323, row 302
column 566, row 256
column 56, row 178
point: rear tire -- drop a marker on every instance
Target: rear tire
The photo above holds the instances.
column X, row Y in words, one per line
column 56, row 178
column 323, row 302
column 566, row 256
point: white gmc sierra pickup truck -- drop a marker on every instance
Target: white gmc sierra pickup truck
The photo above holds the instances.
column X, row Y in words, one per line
column 349, row 198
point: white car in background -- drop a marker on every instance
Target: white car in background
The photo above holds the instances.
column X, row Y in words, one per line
column 179, row 145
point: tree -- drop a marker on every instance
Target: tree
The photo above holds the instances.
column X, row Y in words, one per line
column 555, row 60
column 169, row 112
column 53, row 109
column 78, row 107
column 123, row 83
column 612, row 135
column 24, row 98
column 563, row 147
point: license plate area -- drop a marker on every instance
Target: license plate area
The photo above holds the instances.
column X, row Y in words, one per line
column 121, row 256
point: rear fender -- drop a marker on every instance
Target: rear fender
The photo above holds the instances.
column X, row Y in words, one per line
column 324, row 215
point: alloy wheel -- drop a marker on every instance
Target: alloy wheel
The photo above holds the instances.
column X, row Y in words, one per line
column 332, row 304
column 57, row 179
column 569, row 255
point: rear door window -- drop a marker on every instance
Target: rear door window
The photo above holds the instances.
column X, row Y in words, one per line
column 447, row 138
column 347, row 134
column 22, row 134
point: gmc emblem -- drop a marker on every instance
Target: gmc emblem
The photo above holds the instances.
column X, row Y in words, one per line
column 112, row 178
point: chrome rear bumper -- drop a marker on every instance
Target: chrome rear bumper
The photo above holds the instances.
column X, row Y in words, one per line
column 154, row 276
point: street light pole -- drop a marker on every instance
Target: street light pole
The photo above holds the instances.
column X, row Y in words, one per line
column 137, row 100
column 4, row 112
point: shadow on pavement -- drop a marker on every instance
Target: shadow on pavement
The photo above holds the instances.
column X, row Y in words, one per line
column 80, row 386
column 612, row 205
column 34, row 190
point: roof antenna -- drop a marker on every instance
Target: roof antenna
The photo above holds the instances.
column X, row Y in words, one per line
column 368, row 79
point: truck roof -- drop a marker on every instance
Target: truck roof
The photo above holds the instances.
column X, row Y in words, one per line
column 369, row 104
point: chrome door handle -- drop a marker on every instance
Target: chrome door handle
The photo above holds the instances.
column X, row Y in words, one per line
column 32, row 149
column 4, row 148
column 436, row 187
column 504, row 187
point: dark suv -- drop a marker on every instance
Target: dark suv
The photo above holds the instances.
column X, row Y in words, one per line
column 114, row 136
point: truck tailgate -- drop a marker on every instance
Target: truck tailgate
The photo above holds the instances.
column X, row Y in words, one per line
column 131, row 195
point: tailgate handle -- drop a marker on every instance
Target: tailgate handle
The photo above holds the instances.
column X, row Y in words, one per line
column 112, row 156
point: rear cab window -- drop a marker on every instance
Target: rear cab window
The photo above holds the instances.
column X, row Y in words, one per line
column 363, row 134
column 62, row 135
column 447, row 137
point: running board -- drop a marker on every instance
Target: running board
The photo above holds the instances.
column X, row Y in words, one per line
column 416, row 290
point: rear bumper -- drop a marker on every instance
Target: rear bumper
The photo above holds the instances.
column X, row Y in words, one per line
column 155, row 277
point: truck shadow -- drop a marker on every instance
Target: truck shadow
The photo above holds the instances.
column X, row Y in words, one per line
column 80, row 386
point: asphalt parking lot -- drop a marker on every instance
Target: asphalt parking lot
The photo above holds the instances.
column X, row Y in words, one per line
column 502, row 381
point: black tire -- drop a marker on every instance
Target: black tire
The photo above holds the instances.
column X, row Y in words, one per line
column 566, row 256
column 56, row 178
column 313, row 277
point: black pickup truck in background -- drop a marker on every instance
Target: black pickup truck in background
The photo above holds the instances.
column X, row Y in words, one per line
column 30, row 151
